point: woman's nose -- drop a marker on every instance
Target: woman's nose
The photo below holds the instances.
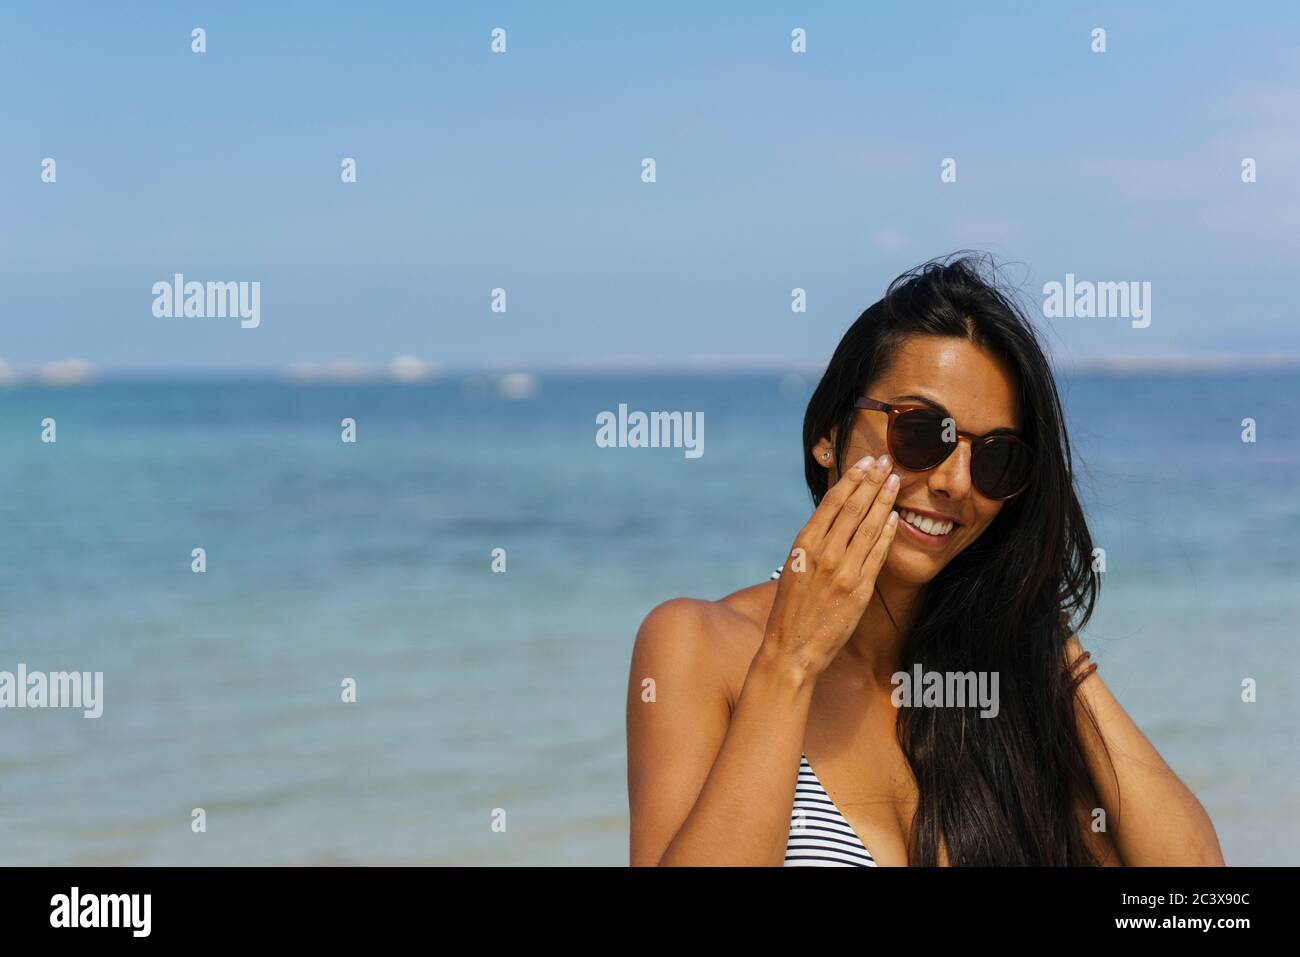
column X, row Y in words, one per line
column 951, row 477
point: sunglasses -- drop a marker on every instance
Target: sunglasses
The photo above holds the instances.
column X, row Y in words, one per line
column 921, row 438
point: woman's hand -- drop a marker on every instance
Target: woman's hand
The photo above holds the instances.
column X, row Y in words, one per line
column 830, row 576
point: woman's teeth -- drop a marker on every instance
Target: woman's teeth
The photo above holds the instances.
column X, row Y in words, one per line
column 926, row 524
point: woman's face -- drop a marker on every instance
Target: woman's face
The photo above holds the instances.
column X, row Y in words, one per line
column 971, row 386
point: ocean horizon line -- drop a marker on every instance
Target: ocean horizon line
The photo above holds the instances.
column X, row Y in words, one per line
column 410, row 371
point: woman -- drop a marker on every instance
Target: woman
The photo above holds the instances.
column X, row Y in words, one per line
column 769, row 727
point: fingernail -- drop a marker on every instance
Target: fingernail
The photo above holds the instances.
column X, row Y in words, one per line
column 891, row 483
column 893, row 519
column 864, row 464
column 883, row 463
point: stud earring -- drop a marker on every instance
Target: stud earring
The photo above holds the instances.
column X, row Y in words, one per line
column 825, row 455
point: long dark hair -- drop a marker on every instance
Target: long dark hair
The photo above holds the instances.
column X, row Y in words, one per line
column 1001, row 790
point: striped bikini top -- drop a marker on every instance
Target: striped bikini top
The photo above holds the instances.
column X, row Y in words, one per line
column 819, row 834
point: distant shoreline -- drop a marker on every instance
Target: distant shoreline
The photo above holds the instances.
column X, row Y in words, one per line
column 77, row 373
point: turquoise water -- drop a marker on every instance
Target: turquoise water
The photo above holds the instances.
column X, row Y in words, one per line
column 478, row 691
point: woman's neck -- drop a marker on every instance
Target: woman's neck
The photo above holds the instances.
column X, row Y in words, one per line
column 878, row 644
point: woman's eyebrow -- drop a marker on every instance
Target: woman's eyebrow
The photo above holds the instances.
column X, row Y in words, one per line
column 919, row 398
column 942, row 411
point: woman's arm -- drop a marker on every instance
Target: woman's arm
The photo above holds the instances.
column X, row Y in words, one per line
column 1151, row 816
column 706, row 788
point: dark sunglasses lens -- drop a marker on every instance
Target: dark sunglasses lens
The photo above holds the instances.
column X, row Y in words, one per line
column 916, row 440
column 1000, row 467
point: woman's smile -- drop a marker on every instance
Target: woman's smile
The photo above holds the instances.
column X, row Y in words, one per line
column 932, row 529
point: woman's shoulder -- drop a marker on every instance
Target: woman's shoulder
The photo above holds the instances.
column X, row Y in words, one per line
column 705, row 640
column 738, row 618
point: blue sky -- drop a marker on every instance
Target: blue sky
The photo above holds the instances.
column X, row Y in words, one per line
column 522, row 171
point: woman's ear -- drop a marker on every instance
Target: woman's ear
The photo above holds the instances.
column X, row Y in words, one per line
column 824, row 451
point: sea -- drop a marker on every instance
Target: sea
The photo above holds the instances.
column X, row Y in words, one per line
column 470, row 573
